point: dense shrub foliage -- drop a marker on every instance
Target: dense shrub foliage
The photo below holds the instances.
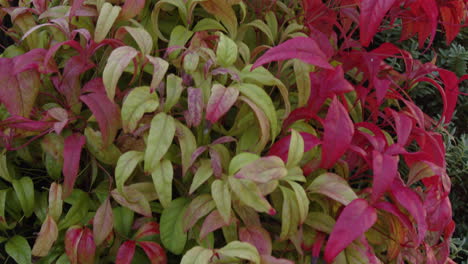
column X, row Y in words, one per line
column 225, row 131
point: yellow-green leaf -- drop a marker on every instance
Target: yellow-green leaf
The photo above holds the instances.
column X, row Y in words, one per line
column 203, row 173
column 162, row 180
column 222, row 198
column 296, row 149
column 160, row 138
column 174, row 89
column 241, row 250
column 197, row 255
column 333, row 186
column 249, row 193
column 118, row 60
column 138, row 102
column 226, row 52
column 106, row 19
column 125, row 167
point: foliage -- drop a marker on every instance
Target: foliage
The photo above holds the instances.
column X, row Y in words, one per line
column 214, row 131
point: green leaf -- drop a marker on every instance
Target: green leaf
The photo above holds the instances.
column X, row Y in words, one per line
column 141, row 37
column 249, row 193
column 208, row 24
column 160, row 138
column 138, row 102
column 106, row 19
column 272, row 23
column 301, row 199
column 302, row 71
column 226, row 52
column 94, row 143
column 3, row 221
column 198, row 208
column 134, row 199
column 241, row 160
column 123, row 220
column 187, row 143
column 180, row 35
column 162, row 180
column 290, row 213
column 333, row 186
column 191, row 61
column 159, row 5
column 197, row 255
column 125, row 167
column 19, row 250
column 259, row 24
column 24, row 190
column 4, row 173
column 80, row 205
column 173, row 236
column 320, row 221
column 262, row 100
column 118, row 60
column 242, row 250
column 222, row 198
column 203, row 173
column 174, row 89
column 296, row 149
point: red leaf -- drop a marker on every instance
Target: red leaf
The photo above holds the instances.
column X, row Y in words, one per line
column 303, row 48
column 452, row 14
column 25, row 124
column 86, row 248
column 409, row 200
column 72, row 240
column 195, row 107
column 148, row 229
column 355, row 219
column 132, row 8
column 281, row 147
column 385, row 170
column 372, row 13
column 70, row 85
column 75, row 6
column 221, row 100
column 339, row 130
column 71, row 161
column 107, row 114
column 404, row 126
column 451, row 92
column 126, row 252
column 258, row 237
column 154, row 251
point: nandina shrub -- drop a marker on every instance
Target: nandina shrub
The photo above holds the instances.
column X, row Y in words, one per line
column 223, row 131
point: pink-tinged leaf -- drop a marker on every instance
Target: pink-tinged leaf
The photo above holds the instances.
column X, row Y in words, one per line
column 381, row 87
column 70, row 85
column 221, row 100
column 107, row 114
column 32, row 60
column 355, row 219
column 372, row 13
column 281, row 147
column 327, row 83
column 46, row 237
column 451, row 92
column 409, row 200
column 339, row 130
column 61, row 116
column 404, row 126
column 263, row 170
column 96, row 85
column 333, row 186
column 72, row 240
column 265, row 259
column 303, row 48
column 154, row 251
column 213, row 221
column 385, row 170
column 258, row 237
column 317, row 246
column 302, row 113
column 86, row 248
column 71, row 161
column 391, row 208
column 195, row 107
column 146, row 230
column 132, row 8
column 126, row 252
column 134, row 200
column 103, row 222
column 40, row 5
column 25, row 124
column 198, row 208
column 439, row 211
column 216, row 163
column 223, row 140
column 74, row 8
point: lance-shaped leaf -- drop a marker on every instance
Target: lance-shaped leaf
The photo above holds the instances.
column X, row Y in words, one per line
column 281, row 147
column 95, row 145
column 132, row 8
column 263, row 170
column 18, row 249
column 290, row 215
column 213, row 222
column 302, row 48
column 106, row 19
column 404, row 126
column 24, row 190
column 353, row 222
column 222, row 198
column 125, row 167
column 46, row 237
column 107, row 114
column 174, row 89
column 333, row 186
column 222, row 10
column 249, row 193
column 80, row 204
column 86, row 248
column 198, row 208
column 173, row 236
column 103, row 222
column 71, row 161
column 55, row 201
column 154, row 251
column 126, row 252
column 242, row 250
column 160, row 138
column 133, row 200
column 204, row 172
column 372, row 13
column 338, row 133
column 188, row 145
column 241, row 160
column 160, row 67
column 197, row 255
column 138, row 102
column 221, row 100
column 296, row 149
column 302, row 200
column 72, row 240
column 385, row 168
column 452, row 91
column 226, row 52
column 195, row 107
column 118, row 60
column 162, row 179
column 258, row 237
column 147, row 230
